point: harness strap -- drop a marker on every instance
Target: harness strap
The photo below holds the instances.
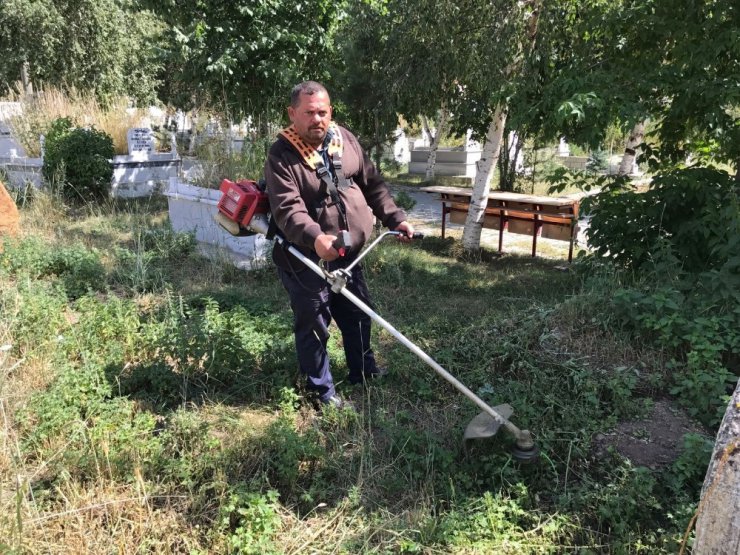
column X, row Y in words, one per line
column 331, row 184
column 309, row 154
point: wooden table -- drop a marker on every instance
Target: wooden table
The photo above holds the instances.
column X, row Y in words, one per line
column 551, row 217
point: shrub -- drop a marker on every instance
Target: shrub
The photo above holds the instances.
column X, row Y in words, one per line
column 77, row 160
column 679, row 243
column 694, row 211
column 405, row 201
column 597, row 162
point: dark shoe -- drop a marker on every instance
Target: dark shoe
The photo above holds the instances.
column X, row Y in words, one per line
column 337, row 402
column 379, row 372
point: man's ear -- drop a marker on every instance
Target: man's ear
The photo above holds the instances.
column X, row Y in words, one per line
column 291, row 114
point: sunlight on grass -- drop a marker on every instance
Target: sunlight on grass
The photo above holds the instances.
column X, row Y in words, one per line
column 148, row 392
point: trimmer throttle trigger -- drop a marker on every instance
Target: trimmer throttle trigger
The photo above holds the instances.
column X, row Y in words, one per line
column 343, row 243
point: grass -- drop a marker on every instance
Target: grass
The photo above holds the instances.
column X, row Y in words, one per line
column 41, row 109
column 147, row 403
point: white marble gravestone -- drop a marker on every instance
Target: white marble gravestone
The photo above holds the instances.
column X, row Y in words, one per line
column 140, row 141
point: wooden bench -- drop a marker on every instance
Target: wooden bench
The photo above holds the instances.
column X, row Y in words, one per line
column 550, row 217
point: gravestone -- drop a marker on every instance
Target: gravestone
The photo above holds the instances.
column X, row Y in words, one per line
column 140, row 141
column 563, row 147
column 8, row 213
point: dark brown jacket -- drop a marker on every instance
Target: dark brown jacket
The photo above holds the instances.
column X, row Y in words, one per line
column 294, row 189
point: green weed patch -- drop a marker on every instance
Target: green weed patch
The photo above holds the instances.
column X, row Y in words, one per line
column 174, row 384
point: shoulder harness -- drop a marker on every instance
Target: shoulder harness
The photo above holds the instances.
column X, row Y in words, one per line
column 332, row 182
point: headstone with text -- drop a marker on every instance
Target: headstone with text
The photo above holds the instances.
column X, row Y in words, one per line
column 140, row 140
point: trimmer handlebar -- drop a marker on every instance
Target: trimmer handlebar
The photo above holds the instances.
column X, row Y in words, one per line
column 343, row 243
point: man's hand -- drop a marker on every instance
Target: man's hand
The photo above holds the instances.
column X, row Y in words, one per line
column 408, row 230
column 323, row 247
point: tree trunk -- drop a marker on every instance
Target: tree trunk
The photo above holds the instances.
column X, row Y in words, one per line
column 492, row 147
column 482, row 186
column 26, row 78
column 434, row 145
column 511, row 148
column 718, row 515
column 630, row 149
column 378, row 143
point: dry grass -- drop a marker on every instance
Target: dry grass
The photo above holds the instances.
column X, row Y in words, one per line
column 40, row 109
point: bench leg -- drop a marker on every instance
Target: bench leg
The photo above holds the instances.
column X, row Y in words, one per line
column 501, row 224
column 572, row 238
column 536, row 225
column 444, row 217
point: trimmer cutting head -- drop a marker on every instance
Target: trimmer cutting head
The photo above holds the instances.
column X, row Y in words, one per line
column 484, row 426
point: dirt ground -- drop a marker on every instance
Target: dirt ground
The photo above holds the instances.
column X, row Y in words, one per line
column 653, row 442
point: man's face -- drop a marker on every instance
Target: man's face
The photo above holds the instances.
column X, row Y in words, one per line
column 311, row 117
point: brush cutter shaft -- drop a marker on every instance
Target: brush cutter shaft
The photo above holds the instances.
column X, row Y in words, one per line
column 403, row 339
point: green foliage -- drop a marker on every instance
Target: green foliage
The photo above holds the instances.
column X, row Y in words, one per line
column 104, row 46
column 33, row 312
column 253, row 521
column 107, row 330
column 219, row 162
column 98, row 431
column 404, row 200
column 78, row 161
column 292, row 455
column 688, row 471
column 695, row 210
column 495, row 524
column 597, row 162
column 680, row 239
column 243, row 56
column 620, row 500
column 79, row 268
column 155, row 254
column 187, row 350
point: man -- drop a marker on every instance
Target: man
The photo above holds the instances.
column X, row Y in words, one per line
column 320, row 182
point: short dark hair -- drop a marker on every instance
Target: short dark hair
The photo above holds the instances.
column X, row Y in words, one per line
column 307, row 87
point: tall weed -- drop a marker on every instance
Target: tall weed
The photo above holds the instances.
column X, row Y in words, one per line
column 41, row 109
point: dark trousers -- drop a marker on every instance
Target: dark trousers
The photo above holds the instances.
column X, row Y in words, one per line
column 314, row 305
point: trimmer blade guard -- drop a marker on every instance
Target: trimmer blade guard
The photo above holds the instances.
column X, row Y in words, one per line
column 484, row 426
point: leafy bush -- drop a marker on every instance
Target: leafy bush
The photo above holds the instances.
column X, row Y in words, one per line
column 694, row 212
column 680, row 243
column 404, row 200
column 77, row 161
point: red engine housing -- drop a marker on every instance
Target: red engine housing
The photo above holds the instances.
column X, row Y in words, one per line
column 241, row 200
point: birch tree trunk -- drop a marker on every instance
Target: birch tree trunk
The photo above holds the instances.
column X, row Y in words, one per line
column 492, row 146
column 630, row 149
column 482, row 185
column 434, row 144
column 718, row 520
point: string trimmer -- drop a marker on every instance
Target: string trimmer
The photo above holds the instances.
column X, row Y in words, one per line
column 244, row 208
